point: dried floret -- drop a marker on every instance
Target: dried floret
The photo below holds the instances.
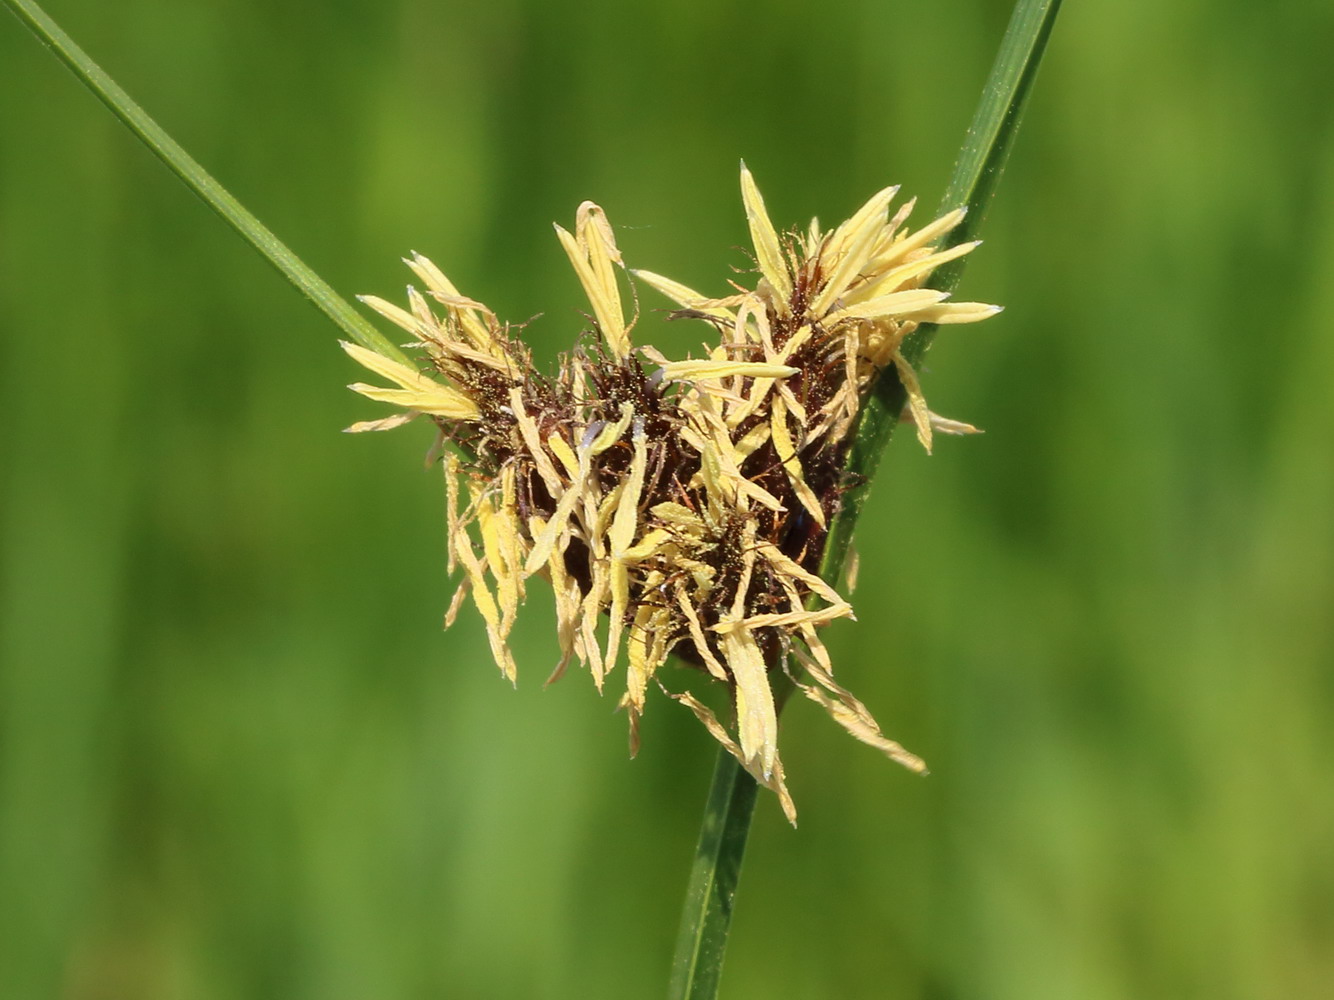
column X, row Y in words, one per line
column 687, row 501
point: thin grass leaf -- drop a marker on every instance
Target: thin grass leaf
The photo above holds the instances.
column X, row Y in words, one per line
column 702, row 940
column 976, row 174
column 697, row 966
column 201, row 182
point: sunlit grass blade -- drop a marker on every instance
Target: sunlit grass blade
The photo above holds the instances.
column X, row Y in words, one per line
column 995, row 124
column 713, row 878
column 201, row 182
column 697, row 966
column 976, row 174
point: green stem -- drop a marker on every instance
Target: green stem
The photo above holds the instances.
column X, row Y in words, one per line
column 713, row 877
column 976, row 174
column 697, row 967
column 198, row 180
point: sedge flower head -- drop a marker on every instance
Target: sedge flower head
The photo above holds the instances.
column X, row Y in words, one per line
column 675, row 507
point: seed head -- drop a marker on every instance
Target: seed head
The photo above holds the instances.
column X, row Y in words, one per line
column 686, row 502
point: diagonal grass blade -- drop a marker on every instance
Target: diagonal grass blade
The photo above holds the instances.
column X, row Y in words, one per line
column 697, row 966
column 201, row 182
column 976, row 175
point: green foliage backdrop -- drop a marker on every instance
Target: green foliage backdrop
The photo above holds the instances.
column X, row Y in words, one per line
column 238, row 759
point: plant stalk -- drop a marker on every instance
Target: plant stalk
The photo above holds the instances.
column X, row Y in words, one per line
column 710, row 895
column 184, row 166
column 702, row 939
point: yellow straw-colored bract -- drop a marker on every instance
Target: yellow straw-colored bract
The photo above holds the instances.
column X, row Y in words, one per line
column 684, row 501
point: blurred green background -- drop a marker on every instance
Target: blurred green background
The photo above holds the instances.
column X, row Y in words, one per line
column 238, row 758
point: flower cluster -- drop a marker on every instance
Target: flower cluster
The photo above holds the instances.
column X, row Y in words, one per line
column 686, row 502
